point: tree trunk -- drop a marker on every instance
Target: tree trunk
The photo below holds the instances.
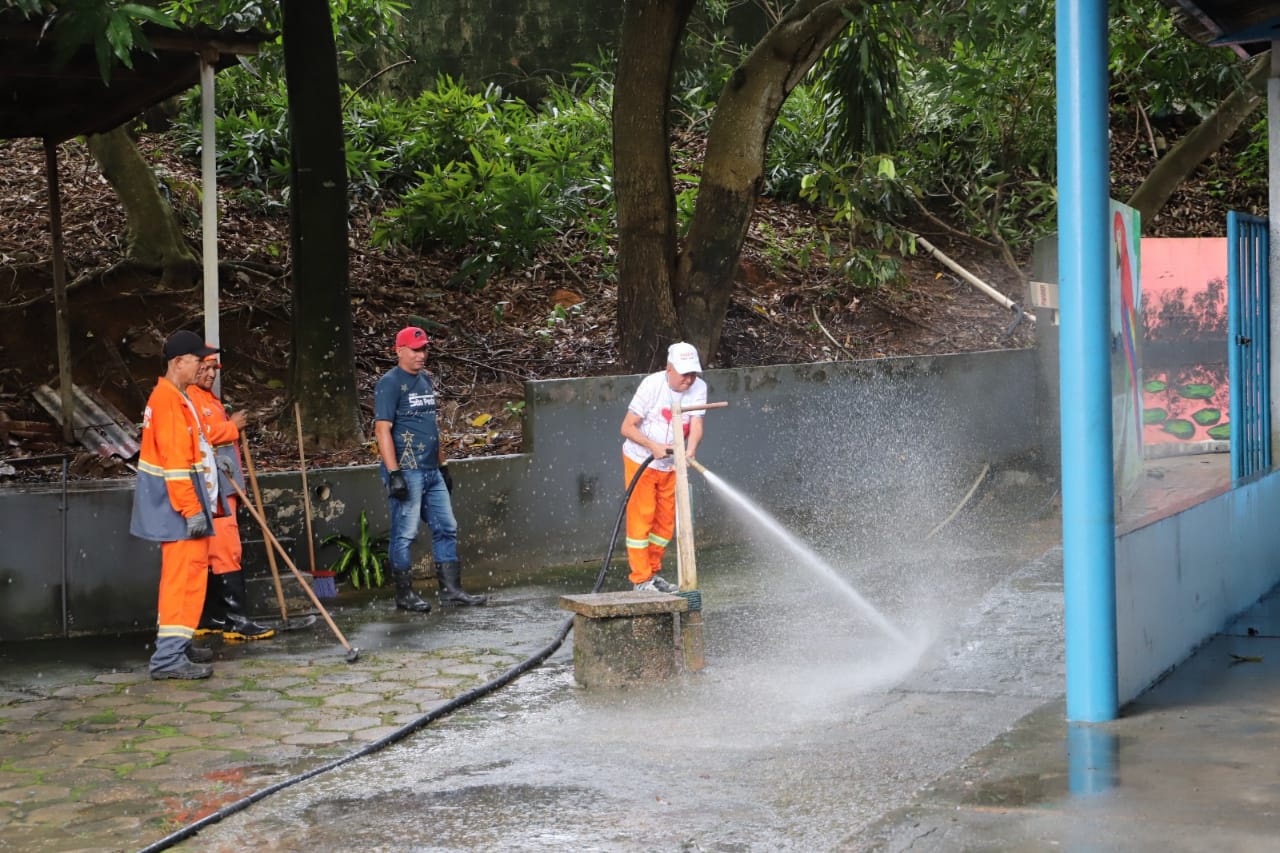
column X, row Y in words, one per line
column 642, row 179
column 733, row 168
column 1196, row 147
column 323, row 368
column 154, row 238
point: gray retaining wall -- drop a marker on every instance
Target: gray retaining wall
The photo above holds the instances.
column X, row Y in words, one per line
column 844, row 439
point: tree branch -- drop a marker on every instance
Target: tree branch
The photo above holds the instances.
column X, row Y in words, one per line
column 1196, row 147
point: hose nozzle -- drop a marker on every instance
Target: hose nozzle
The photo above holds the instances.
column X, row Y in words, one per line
column 697, row 466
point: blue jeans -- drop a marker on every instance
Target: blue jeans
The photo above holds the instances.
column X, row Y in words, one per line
column 428, row 501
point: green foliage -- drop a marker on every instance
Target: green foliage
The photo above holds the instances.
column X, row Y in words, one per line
column 862, row 83
column 802, row 132
column 1251, row 166
column 1152, row 64
column 949, row 107
column 699, row 81
column 478, row 172
column 859, row 193
column 515, row 178
column 362, row 557
column 361, row 28
column 112, row 27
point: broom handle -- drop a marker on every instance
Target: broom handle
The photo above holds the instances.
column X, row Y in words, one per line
column 306, row 492
column 297, row 574
column 271, row 552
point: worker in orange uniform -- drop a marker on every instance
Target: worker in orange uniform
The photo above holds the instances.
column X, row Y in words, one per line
column 648, row 430
column 174, row 503
column 225, row 598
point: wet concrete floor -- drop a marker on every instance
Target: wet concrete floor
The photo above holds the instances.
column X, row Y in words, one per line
column 808, row 730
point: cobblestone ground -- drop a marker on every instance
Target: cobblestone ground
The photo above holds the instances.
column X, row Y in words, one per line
column 115, row 761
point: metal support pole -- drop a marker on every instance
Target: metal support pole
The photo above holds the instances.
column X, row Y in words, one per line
column 209, row 207
column 64, row 510
column 1088, row 492
column 1273, row 260
column 61, row 312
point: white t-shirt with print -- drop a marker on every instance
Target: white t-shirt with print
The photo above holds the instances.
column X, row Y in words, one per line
column 652, row 402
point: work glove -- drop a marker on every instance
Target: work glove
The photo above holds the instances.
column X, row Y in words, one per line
column 447, row 477
column 197, row 526
column 397, row 487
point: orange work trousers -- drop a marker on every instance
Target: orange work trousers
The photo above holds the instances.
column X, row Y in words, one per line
column 225, row 550
column 183, row 569
column 651, row 519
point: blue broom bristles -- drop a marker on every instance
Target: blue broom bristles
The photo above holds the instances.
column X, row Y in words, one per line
column 323, row 586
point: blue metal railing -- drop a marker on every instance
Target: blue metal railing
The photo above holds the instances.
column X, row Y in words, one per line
column 1248, row 344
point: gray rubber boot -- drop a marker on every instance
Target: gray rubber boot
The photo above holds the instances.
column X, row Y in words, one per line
column 451, row 594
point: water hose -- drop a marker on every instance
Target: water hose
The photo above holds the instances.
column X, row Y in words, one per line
column 408, row 728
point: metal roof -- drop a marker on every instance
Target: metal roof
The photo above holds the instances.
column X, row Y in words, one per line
column 42, row 99
column 1248, row 26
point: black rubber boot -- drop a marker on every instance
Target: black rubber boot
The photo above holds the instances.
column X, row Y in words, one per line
column 238, row 626
column 406, row 598
column 214, row 616
column 198, row 654
column 451, row 593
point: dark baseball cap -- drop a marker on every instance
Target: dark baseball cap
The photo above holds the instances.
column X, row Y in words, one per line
column 183, row 342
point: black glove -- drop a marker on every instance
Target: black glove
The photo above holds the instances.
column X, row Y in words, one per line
column 197, row 526
column 397, row 488
column 447, row 477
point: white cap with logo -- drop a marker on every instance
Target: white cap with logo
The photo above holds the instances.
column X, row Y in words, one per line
column 684, row 358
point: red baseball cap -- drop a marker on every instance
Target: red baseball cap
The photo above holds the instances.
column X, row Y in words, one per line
column 412, row 337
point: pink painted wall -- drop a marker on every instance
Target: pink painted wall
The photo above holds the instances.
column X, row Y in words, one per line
column 1184, row 372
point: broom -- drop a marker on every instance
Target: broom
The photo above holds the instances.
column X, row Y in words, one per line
column 322, row 582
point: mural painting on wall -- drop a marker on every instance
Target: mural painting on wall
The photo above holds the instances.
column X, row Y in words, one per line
column 1126, row 355
column 1184, row 316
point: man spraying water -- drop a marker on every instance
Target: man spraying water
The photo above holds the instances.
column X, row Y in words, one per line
column 649, row 431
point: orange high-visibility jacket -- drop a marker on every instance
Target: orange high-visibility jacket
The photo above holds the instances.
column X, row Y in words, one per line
column 223, row 435
column 171, row 468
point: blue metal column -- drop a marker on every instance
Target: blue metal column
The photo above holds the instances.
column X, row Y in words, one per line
column 1084, row 266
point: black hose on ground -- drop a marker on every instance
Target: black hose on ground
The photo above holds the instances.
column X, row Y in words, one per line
column 412, row 726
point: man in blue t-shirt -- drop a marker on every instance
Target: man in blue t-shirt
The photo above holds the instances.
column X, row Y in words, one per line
column 415, row 475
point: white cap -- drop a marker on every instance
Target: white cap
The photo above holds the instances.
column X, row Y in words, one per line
column 684, row 358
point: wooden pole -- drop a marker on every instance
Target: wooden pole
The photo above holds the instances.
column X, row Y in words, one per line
column 257, row 496
column 60, row 310
column 686, row 561
column 306, row 492
column 352, row 653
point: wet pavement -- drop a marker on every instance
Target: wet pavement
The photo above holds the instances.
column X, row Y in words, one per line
column 808, row 730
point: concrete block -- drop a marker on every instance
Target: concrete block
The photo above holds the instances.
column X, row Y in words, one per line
column 624, row 638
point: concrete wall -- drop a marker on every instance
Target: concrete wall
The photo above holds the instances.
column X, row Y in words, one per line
column 803, row 440
column 518, row 44
column 1180, row 580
